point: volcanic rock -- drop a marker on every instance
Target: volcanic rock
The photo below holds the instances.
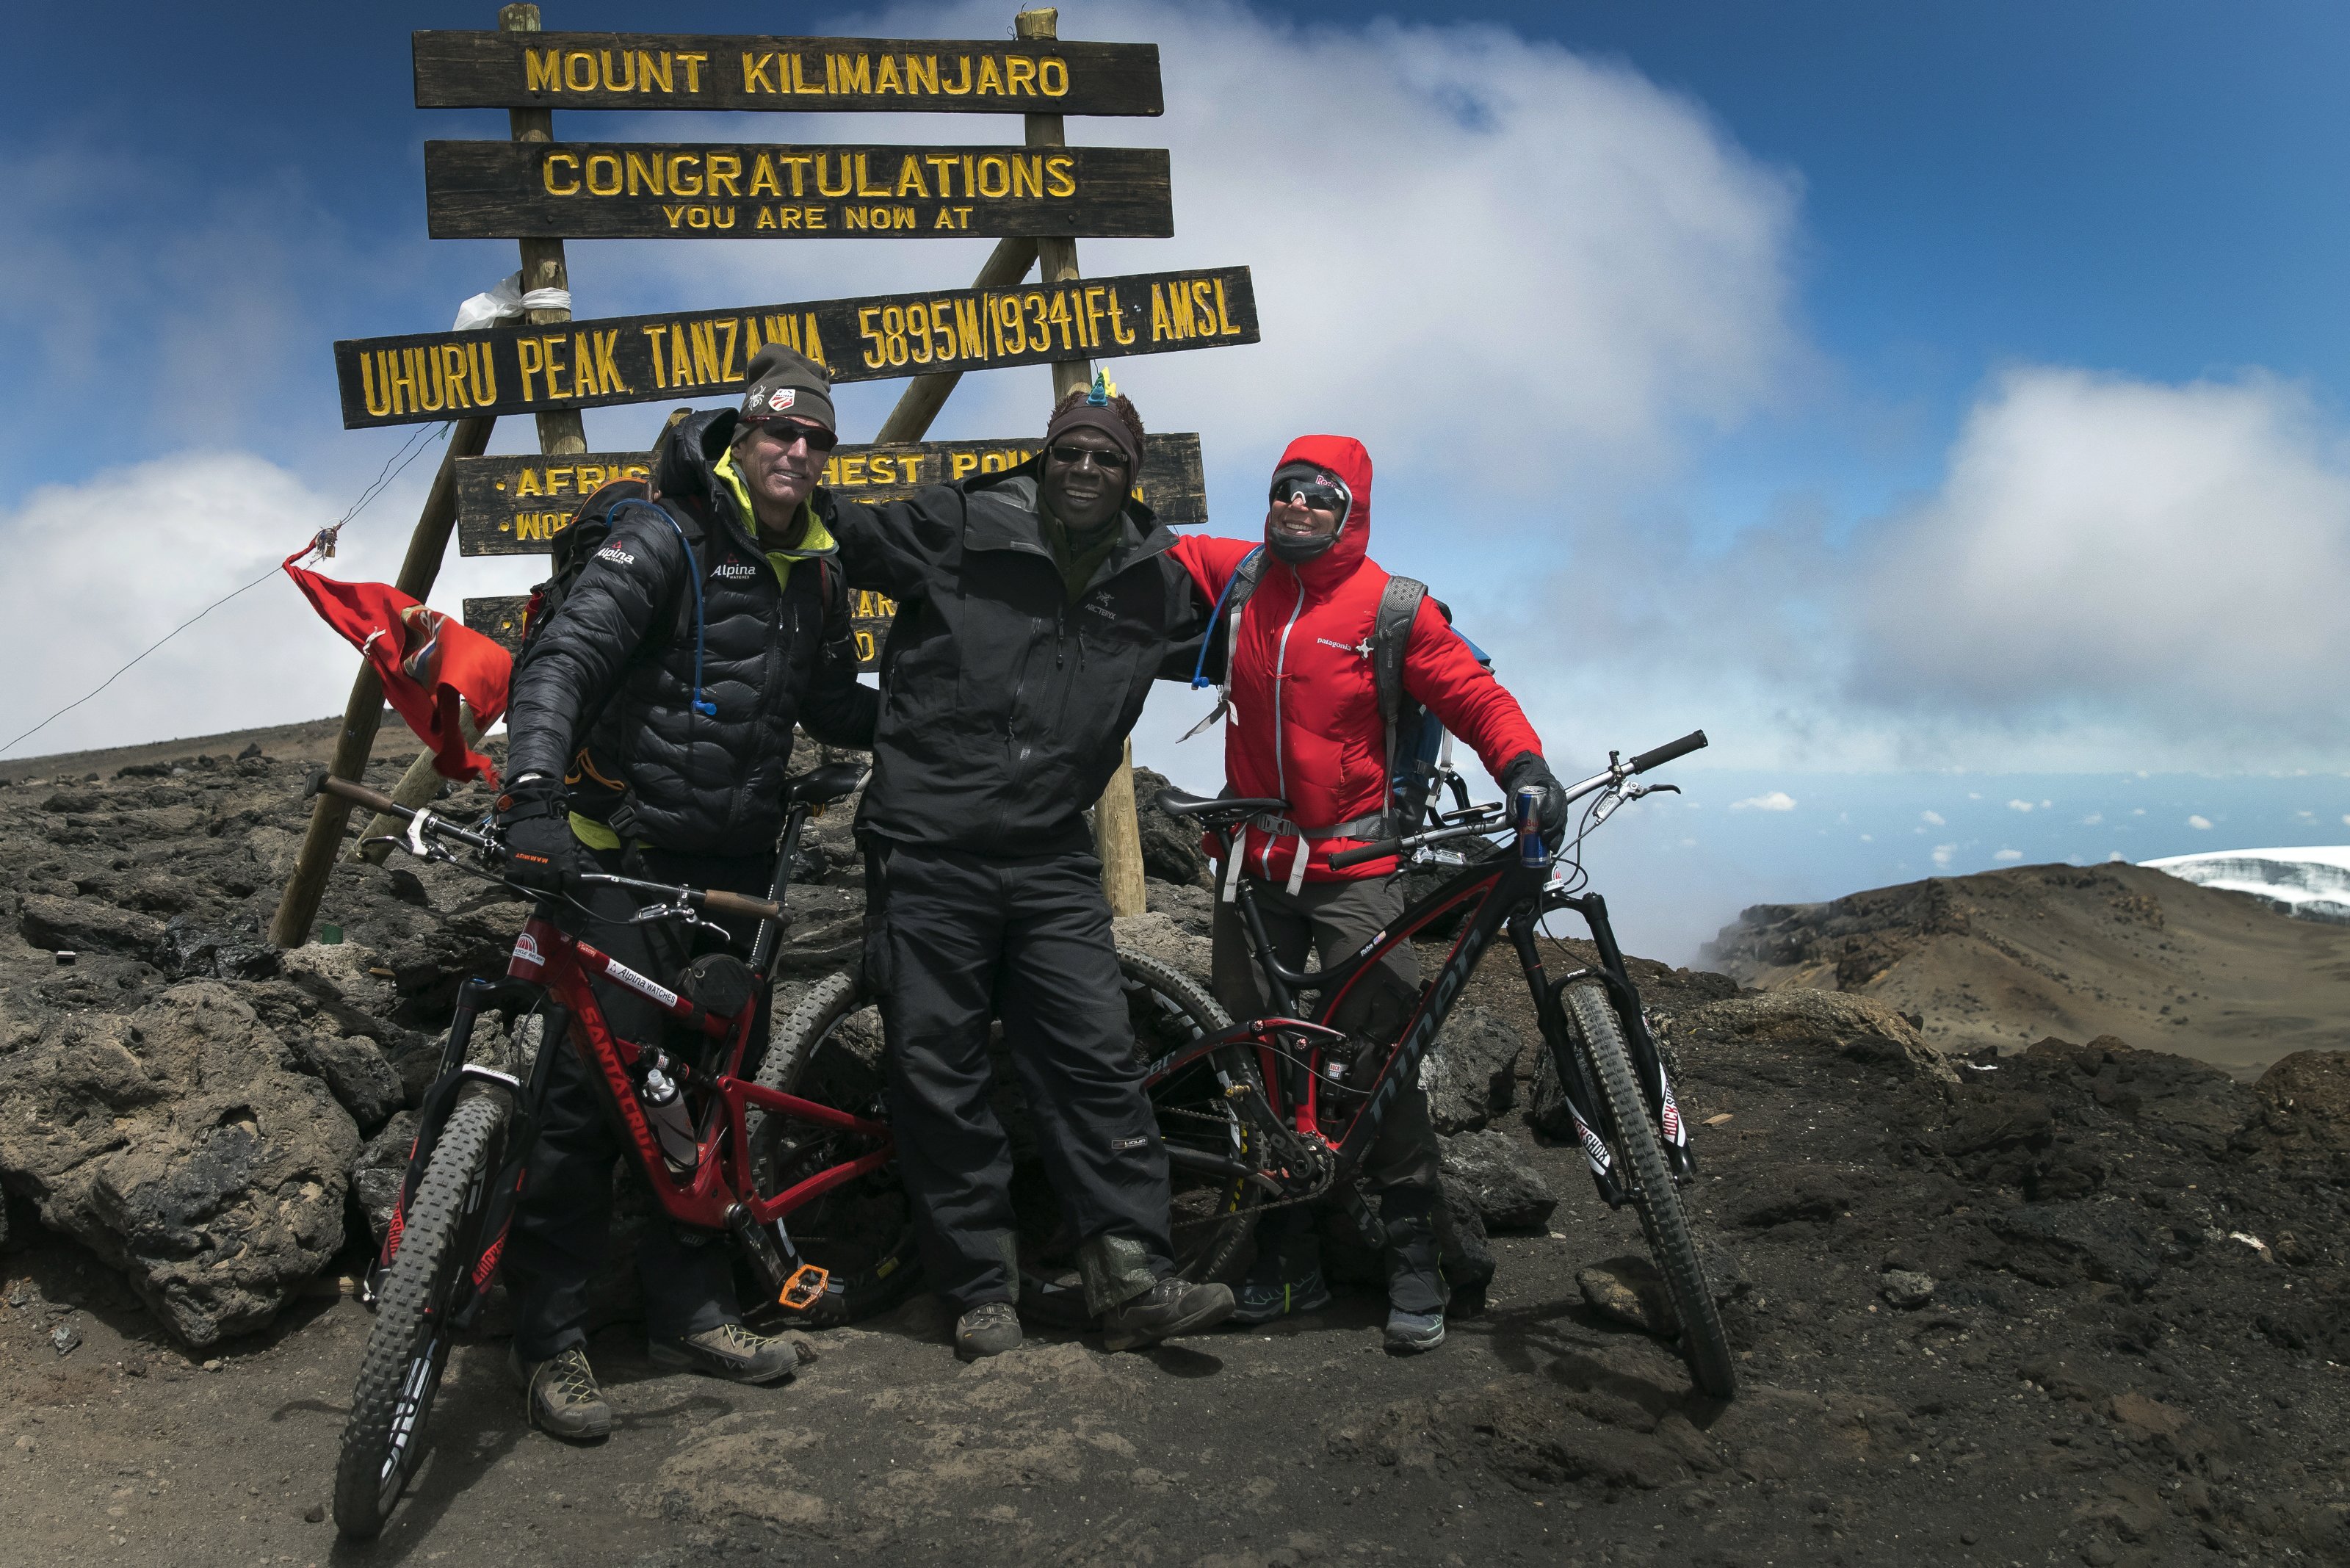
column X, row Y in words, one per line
column 181, row 1143
column 1471, row 1074
column 1171, row 849
column 1508, row 1192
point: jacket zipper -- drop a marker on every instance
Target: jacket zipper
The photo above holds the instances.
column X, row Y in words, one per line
column 1280, row 664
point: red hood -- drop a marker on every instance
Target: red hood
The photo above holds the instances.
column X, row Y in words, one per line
column 1344, row 456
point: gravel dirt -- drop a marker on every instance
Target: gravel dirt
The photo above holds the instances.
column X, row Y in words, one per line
column 2075, row 1303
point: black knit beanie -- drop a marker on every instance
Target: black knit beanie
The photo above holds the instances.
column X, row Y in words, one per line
column 785, row 384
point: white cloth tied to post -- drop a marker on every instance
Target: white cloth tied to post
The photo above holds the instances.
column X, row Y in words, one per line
column 506, row 302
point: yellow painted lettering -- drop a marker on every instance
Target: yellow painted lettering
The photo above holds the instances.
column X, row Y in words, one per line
column 799, row 76
column 609, row 164
column 678, row 173
column 532, row 359
column 559, row 479
column 608, row 370
column 681, row 356
column 645, row 175
column 725, row 174
column 1093, row 316
column 673, row 215
column 922, row 73
column 957, row 89
column 1002, row 182
column 705, row 353
column 797, row 162
column 852, row 471
column 693, row 64
column 539, row 73
column 944, row 162
column 1060, row 176
column 763, row 177
column 1159, row 329
column 546, row 173
column 1019, row 76
column 726, row 371
column 755, row 72
column 865, row 186
column 971, row 339
column 1224, row 327
column 812, row 342
column 824, row 180
column 628, row 61
column 530, row 484
column 1059, row 316
column 788, row 217
column 1028, row 173
column 909, row 177
column 965, row 463
column 766, row 219
column 485, row 372
column 553, row 360
column 868, row 328
column 379, row 404
column 649, row 71
column 888, row 79
column 579, row 71
column 1053, row 75
column 991, row 79
column 653, row 335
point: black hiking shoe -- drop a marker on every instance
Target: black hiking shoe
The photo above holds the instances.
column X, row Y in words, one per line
column 1167, row 1309
column 729, row 1351
column 991, row 1328
column 561, row 1395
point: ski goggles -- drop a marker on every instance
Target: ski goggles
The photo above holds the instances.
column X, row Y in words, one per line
column 1321, row 494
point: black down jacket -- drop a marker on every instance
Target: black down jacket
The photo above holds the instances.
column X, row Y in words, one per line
column 1006, row 707
column 613, row 669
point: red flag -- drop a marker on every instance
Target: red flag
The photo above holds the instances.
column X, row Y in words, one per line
column 427, row 661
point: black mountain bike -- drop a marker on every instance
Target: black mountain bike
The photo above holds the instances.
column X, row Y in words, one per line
column 1265, row 1112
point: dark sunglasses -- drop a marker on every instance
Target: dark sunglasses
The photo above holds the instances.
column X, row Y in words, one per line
column 784, row 432
column 1321, row 495
column 1074, row 455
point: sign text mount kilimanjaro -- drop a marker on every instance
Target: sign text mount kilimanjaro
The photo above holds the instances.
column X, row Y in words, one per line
column 662, row 70
column 745, row 191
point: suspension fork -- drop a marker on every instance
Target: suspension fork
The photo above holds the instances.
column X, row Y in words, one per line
column 504, row 1191
column 1584, row 1103
column 1648, row 1061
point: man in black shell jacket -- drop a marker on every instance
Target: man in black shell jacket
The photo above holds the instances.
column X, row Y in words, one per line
column 671, row 718
column 1034, row 608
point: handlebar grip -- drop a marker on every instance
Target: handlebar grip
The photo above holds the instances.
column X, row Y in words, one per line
column 1355, row 857
column 362, row 796
column 1694, row 740
column 720, row 903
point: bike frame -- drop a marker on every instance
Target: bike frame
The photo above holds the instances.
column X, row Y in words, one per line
column 550, row 965
column 1291, row 1050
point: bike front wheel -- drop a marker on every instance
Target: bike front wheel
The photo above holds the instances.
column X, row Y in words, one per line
column 407, row 1350
column 861, row 1232
column 1641, row 1163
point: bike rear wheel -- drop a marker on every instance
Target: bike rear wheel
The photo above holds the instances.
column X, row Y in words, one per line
column 407, row 1350
column 1212, row 1109
column 1641, row 1162
column 862, row 1232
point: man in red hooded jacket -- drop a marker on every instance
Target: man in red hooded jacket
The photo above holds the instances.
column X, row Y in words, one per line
column 1307, row 728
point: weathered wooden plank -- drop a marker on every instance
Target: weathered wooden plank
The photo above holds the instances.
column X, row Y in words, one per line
column 709, row 71
column 695, row 354
column 516, row 505
column 752, row 191
column 499, row 617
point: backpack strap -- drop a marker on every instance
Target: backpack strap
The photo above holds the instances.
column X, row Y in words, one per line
column 1390, row 639
column 1238, row 588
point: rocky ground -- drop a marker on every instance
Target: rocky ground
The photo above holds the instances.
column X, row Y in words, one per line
column 2078, row 1302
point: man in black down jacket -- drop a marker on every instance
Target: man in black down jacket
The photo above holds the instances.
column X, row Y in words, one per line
column 672, row 724
column 1034, row 608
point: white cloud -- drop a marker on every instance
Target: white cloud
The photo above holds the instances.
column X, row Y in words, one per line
column 2019, row 805
column 1777, row 800
column 1932, row 818
column 2093, row 818
column 102, row 569
column 2200, row 823
column 2168, row 560
column 2007, row 855
column 1943, row 854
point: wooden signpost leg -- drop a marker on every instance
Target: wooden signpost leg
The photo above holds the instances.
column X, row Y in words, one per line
column 1117, row 829
column 558, row 431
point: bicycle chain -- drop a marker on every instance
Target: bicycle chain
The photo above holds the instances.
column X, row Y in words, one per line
column 1321, row 1188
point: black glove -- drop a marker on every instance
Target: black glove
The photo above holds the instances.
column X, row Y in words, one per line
column 535, row 826
column 1525, row 769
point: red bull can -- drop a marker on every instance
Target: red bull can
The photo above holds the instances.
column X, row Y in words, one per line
column 1525, row 815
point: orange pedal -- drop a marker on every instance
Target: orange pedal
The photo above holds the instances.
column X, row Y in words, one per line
column 804, row 1288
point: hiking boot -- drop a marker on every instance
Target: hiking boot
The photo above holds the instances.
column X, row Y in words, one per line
column 991, row 1328
column 1410, row 1333
column 1169, row 1308
column 729, row 1351
column 1261, row 1302
column 561, row 1396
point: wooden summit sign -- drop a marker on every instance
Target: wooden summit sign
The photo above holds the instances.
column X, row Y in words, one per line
column 754, row 190
column 659, row 70
column 706, row 353
column 516, row 505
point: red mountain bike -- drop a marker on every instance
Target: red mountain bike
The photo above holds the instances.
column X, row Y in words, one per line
column 1266, row 1113
column 748, row 1157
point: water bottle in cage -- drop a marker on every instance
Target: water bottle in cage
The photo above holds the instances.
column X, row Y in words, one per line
column 664, row 1105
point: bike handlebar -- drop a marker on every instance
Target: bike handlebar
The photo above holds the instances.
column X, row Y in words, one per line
column 715, row 901
column 1694, row 740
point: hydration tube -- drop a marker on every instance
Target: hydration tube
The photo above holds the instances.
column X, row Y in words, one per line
column 693, row 570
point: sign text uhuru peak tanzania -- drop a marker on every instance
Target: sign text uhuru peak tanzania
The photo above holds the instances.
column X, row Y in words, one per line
column 640, row 359
column 637, row 70
column 475, row 190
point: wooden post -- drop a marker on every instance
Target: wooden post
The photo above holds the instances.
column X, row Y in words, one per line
column 558, row 431
column 1117, row 829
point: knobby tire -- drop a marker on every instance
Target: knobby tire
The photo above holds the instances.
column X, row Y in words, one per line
column 407, row 1350
column 1704, row 1346
column 864, row 1232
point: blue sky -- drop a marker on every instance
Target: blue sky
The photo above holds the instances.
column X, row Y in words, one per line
column 1893, row 391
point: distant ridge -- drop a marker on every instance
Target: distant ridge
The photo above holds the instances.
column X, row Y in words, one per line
column 313, row 740
column 2005, row 958
column 2308, row 884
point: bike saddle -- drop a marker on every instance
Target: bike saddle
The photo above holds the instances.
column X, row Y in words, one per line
column 822, row 786
column 1213, row 808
